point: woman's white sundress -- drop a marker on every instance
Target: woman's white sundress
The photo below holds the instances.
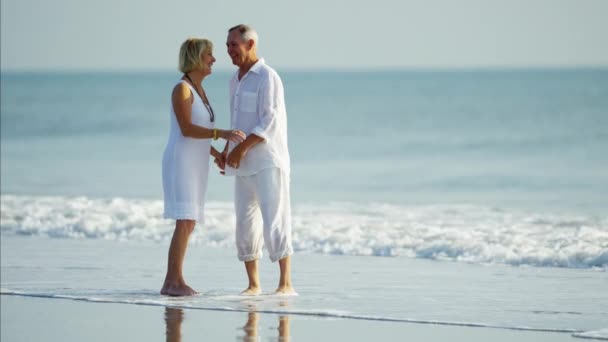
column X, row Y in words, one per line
column 186, row 167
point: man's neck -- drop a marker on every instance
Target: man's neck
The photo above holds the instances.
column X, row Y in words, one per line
column 243, row 69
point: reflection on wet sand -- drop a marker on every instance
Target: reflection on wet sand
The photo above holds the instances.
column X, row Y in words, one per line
column 284, row 328
column 173, row 320
column 251, row 328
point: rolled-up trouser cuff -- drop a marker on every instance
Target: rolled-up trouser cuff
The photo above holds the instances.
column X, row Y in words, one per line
column 250, row 257
column 279, row 256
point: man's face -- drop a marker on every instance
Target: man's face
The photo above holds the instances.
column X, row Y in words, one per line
column 238, row 50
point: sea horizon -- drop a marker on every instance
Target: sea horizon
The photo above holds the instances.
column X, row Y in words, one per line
column 337, row 69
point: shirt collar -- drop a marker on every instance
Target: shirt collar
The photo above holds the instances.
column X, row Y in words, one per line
column 254, row 68
column 257, row 66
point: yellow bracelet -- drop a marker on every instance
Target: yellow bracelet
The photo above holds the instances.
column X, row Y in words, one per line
column 215, row 134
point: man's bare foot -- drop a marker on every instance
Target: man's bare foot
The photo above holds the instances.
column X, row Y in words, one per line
column 286, row 290
column 177, row 290
column 251, row 291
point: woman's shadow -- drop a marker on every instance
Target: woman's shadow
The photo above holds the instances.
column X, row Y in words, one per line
column 174, row 318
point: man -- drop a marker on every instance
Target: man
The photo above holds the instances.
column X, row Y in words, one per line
column 261, row 163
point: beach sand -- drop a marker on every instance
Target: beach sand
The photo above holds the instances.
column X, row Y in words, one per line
column 95, row 290
column 42, row 319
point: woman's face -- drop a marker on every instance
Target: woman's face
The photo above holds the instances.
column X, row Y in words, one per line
column 208, row 61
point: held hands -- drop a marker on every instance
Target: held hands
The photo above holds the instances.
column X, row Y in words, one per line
column 234, row 135
column 220, row 161
column 238, row 153
column 234, row 158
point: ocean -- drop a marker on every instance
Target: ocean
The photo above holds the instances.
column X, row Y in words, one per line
column 384, row 163
column 500, row 170
column 526, row 139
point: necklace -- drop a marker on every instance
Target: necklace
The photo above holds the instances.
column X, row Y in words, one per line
column 203, row 98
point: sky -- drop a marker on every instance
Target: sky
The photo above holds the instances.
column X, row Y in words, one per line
column 311, row 34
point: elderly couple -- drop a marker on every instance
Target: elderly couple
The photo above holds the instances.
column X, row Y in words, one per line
column 255, row 154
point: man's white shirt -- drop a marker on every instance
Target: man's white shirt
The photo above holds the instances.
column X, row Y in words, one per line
column 257, row 106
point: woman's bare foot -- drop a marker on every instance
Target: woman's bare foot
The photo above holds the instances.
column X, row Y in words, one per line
column 251, row 291
column 286, row 290
column 177, row 290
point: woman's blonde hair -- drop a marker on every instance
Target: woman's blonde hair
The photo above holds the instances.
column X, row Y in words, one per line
column 191, row 54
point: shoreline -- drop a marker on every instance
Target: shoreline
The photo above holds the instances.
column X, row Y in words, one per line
column 320, row 315
column 336, row 293
column 27, row 318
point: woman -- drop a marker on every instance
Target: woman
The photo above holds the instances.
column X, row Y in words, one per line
column 186, row 157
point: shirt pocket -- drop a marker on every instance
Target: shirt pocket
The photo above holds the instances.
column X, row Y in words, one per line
column 249, row 101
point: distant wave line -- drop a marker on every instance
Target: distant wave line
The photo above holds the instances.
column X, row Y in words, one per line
column 459, row 232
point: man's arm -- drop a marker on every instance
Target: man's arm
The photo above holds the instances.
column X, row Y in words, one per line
column 239, row 152
column 271, row 102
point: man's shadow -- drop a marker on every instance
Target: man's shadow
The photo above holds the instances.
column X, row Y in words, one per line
column 175, row 316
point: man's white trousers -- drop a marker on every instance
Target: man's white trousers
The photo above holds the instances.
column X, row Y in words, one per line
column 263, row 215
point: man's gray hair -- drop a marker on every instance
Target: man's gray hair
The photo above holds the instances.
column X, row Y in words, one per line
column 247, row 33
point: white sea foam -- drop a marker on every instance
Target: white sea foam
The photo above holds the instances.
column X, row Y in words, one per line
column 601, row 334
column 460, row 233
